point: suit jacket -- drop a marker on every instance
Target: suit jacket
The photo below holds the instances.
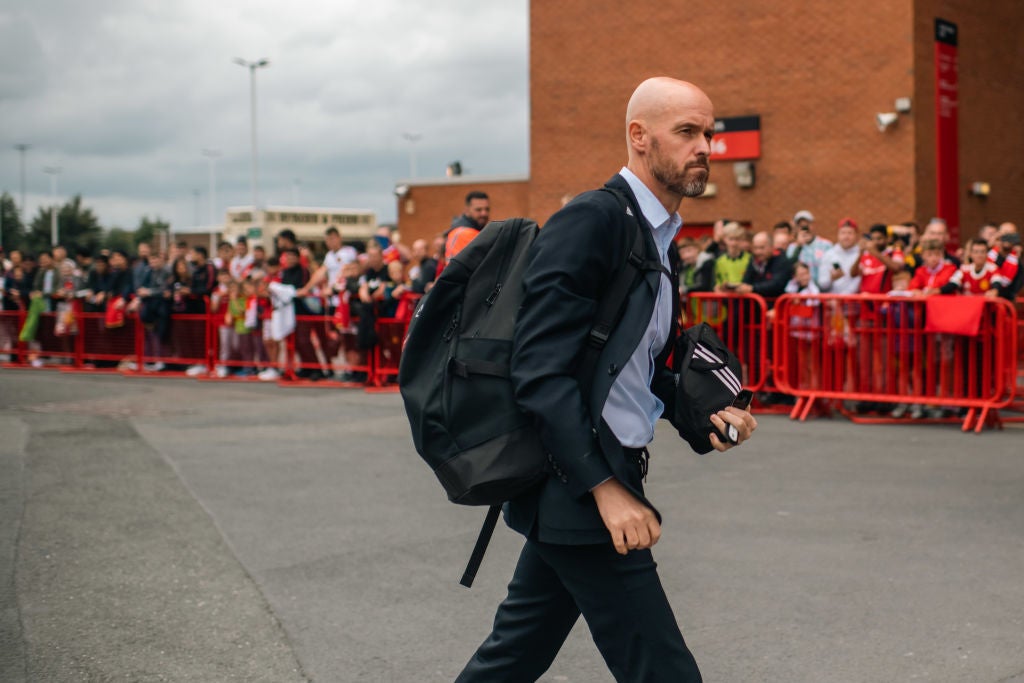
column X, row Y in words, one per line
column 571, row 263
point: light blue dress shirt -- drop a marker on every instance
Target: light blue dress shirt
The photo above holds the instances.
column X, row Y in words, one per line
column 632, row 409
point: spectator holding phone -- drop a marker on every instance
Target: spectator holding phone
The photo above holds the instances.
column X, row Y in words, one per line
column 811, row 248
column 839, row 272
column 878, row 261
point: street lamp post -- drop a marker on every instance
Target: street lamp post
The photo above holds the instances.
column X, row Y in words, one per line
column 53, row 172
column 252, row 66
column 413, row 138
column 22, row 147
column 212, row 155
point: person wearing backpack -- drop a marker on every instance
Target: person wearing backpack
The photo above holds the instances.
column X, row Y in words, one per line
column 588, row 526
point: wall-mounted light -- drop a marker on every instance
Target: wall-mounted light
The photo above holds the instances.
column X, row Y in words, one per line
column 401, row 191
column 885, row 120
column 980, row 189
column 744, row 173
column 902, row 105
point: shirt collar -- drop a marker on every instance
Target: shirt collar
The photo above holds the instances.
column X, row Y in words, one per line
column 652, row 209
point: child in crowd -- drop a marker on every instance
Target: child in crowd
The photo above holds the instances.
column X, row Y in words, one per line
column 805, row 326
column 935, row 271
column 68, row 286
column 271, row 347
column 899, row 317
column 242, row 322
column 219, row 299
column 394, row 290
column 976, row 276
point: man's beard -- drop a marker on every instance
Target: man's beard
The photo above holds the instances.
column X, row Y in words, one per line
column 675, row 182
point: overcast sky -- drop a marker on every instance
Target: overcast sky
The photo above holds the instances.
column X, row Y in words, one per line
column 124, row 95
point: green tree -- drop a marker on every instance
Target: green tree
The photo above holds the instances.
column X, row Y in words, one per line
column 147, row 230
column 119, row 238
column 12, row 230
column 77, row 226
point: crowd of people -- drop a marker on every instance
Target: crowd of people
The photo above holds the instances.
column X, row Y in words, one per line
column 253, row 296
column 881, row 260
column 892, row 260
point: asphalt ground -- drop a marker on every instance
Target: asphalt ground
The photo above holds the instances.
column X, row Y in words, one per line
column 176, row 530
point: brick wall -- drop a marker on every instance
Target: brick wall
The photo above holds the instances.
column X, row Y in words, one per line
column 428, row 208
column 991, row 138
column 816, row 72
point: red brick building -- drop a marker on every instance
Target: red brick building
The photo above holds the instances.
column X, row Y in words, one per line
column 816, row 73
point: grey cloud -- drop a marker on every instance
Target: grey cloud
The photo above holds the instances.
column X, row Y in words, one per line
column 130, row 93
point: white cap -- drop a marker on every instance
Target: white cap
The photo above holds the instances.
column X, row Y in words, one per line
column 803, row 215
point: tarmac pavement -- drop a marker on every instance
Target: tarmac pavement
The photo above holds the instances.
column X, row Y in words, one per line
column 176, row 530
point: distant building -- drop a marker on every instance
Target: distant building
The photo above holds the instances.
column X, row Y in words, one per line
column 308, row 223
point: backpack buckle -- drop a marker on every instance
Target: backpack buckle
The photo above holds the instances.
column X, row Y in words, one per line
column 598, row 337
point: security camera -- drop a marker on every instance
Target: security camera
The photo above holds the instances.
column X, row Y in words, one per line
column 883, row 121
column 401, row 191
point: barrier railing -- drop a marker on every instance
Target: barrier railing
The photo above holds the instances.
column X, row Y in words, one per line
column 819, row 349
column 885, row 349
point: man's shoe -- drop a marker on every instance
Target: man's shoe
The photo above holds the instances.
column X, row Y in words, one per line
column 916, row 412
column 936, row 413
column 196, row 370
column 899, row 411
column 270, row 375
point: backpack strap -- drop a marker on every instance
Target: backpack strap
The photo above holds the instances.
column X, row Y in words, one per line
column 609, row 309
column 486, row 531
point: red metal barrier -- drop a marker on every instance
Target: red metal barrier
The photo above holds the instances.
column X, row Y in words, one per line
column 741, row 321
column 11, row 322
column 876, row 348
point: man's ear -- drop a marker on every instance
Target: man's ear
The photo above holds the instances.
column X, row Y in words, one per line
column 638, row 137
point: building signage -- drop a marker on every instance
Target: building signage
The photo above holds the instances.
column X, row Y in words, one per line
column 736, row 138
column 947, row 167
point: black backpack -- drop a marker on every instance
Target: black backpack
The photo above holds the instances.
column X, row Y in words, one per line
column 454, row 369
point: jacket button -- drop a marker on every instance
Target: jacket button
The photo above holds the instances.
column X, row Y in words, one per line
column 565, row 479
column 612, row 369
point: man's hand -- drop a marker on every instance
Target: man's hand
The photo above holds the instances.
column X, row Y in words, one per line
column 632, row 524
column 742, row 420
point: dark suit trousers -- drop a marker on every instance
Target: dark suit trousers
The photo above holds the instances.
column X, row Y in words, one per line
column 621, row 599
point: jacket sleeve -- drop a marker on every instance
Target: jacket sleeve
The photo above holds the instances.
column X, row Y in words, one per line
column 570, row 262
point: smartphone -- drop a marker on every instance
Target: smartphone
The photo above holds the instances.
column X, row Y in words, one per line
column 742, row 401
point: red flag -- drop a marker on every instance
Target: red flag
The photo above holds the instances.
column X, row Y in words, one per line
column 954, row 314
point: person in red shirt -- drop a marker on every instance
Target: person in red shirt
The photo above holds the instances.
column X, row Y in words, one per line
column 1006, row 256
column 469, row 224
column 934, row 271
column 976, row 276
column 878, row 261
